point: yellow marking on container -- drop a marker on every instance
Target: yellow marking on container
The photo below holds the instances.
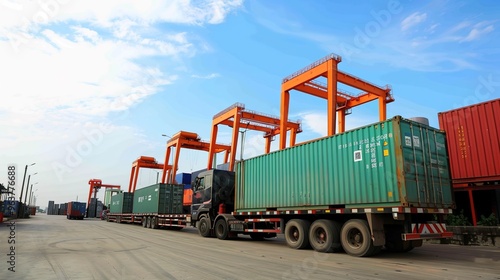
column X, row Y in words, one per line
column 386, row 153
column 389, row 194
column 385, row 143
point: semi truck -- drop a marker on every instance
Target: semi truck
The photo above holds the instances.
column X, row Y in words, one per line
column 76, row 210
column 383, row 185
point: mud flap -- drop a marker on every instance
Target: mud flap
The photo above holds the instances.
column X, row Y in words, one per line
column 376, row 223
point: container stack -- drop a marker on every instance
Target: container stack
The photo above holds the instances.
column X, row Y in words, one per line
column 50, row 208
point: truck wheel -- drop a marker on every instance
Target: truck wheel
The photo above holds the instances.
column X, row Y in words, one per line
column 154, row 223
column 148, row 222
column 324, row 236
column 356, row 239
column 221, row 229
column 204, row 227
column 144, row 221
column 118, row 219
column 296, row 233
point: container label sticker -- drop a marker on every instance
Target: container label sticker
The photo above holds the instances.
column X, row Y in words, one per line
column 386, row 153
column 358, row 156
column 408, row 141
column 416, row 141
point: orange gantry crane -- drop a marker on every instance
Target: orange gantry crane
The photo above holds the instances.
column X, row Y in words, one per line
column 236, row 117
column 143, row 162
column 187, row 140
column 95, row 185
column 339, row 101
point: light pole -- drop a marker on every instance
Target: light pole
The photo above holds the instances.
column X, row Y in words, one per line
column 26, row 194
column 32, row 193
column 157, row 176
column 24, row 178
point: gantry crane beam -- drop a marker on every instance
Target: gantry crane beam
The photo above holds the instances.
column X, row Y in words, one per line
column 237, row 117
column 95, row 185
column 143, row 162
column 186, row 140
column 338, row 101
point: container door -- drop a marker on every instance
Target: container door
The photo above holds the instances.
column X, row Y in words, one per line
column 427, row 176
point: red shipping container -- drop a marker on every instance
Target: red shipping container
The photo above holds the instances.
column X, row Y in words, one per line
column 472, row 135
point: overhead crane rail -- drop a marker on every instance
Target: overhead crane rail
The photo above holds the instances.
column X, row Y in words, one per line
column 338, row 58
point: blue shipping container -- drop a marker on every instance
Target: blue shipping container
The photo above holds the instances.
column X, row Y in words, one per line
column 183, row 178
column 10, row 208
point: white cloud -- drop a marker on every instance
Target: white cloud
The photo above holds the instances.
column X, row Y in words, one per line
column 26, row 14
column 209, row 76
column 68, row 66
column 476, row 33
column 413, row 20
column 315, row 122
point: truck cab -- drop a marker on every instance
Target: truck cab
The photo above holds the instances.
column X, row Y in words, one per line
column 213, row 194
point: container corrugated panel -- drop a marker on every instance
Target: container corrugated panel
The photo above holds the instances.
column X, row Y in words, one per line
column 158, row 198
column 121, row 203
column 10, row 208
column 177, row 199
column 76, row 209
column 50, row 208
column 392, row 163
column 472, row 138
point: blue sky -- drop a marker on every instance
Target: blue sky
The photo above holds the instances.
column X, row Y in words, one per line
column 88, row 87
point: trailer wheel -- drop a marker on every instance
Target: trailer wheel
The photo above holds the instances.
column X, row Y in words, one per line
column 154, row 223
column 144, row 221
column 204, row 227
column 296, row 233
column 148, row 222
column 324, row 236
column 118, row 219
column 356, row 239
column 221, row 229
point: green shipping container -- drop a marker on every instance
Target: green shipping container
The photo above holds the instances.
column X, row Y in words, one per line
column 158, row 199
column 121, row 203
column 397, row 162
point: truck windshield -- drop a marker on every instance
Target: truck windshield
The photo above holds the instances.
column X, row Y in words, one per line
column 201, row 191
